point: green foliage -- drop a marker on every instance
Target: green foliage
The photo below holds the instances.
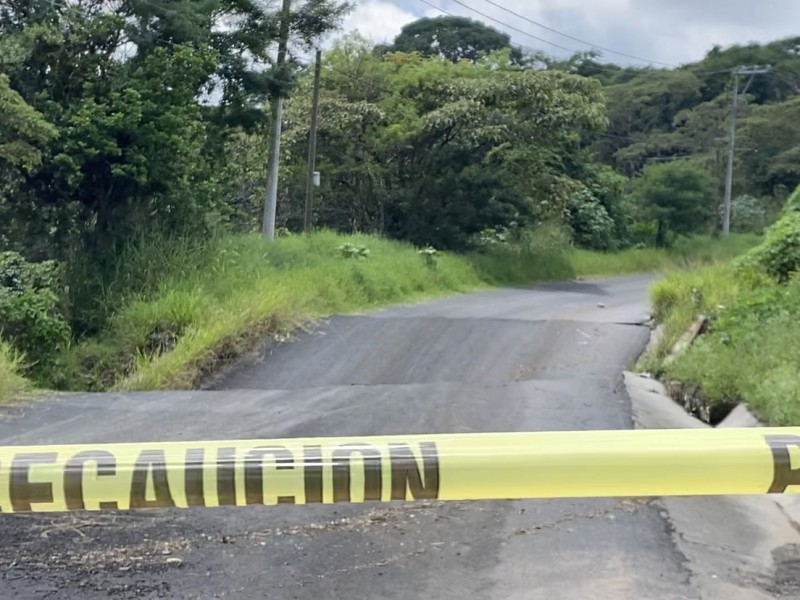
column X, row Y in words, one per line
column 351, row 251
column 793, row 202
column 199, row 304
column 658, row 114
column 641, row 107
column 781, row 55
column 678, row 196
column 454, row 38
column 29, row 310
column 779, row 254
column 770, row 138
column 592, row 227
column 748, row 214
column 106, row 127
column 430, row 256
column 12, row 383
column 433, row 151
column 751, row 353
column 23, row 133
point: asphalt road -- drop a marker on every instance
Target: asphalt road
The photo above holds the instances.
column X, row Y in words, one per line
column 544, row 358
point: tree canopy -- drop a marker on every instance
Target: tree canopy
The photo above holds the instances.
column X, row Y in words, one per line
column 454, row 38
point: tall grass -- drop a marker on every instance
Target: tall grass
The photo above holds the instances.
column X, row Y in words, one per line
column 752, row 351
column 686, row 253
column 682, row 296
column 177, row 308
column 12, row 384
column 239, row 288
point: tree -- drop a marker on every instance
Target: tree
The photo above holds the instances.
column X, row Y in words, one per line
column 678, row 196
column 25, row 136
column 434, row 151
column 454, row 38
column 121, row 81
column 781, row 55
column 641, row 109
column 489, row 151
column 769, row 149
column 144, row 97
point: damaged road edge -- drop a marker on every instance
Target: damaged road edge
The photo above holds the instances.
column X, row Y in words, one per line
column 737, row 547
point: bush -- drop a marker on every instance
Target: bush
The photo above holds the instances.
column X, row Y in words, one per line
column 11, row 382
column 793, row 202
column 30, row 316
column 779, row 254
column 748, row 214
column 592, row 227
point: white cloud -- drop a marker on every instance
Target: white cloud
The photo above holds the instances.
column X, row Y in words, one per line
column 379, row 20
column 671, row 31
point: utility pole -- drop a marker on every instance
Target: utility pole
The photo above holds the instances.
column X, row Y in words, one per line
column 752, row 72
column 273, row 162
column 312, row 143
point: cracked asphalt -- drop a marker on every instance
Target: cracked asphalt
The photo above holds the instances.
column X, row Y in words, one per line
column 549, row 357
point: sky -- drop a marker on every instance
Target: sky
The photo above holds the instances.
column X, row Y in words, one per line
column 655, row 31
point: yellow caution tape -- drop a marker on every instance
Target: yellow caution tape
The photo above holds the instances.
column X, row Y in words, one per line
column 414, row 467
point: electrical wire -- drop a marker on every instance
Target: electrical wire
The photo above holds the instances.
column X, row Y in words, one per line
column 498, row 22
column 576, row 39
column 448, row 13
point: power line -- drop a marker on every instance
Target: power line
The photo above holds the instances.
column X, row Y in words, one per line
column 498, row 22
column 612, row 51
column 511, row 27
column 448, row 13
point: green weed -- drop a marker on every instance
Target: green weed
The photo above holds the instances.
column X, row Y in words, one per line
column 752, row 349
column 11, row 382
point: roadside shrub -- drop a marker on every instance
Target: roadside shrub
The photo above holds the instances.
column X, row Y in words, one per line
column 30, row 318
column 793, row 202
column 748, row 214
column 11, row 382
column 779, row 254
column 592, row 227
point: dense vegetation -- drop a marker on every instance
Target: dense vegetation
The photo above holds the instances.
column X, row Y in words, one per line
column 127, row 126
column 752, row 351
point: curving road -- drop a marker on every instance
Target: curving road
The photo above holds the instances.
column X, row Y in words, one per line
column 548, row 357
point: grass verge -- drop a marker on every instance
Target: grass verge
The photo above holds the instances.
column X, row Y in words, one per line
column 751, row 353
column 213, row 301
column 12, row 384
column 686, row 253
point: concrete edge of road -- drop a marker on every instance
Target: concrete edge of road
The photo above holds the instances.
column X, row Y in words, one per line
column 736, row 546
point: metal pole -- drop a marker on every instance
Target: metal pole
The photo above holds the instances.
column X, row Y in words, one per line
column 312, row 143
column 273, row 162
column 726, row 218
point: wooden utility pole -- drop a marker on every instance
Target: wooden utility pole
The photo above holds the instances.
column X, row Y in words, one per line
column 273, row 162
column 312, row 143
